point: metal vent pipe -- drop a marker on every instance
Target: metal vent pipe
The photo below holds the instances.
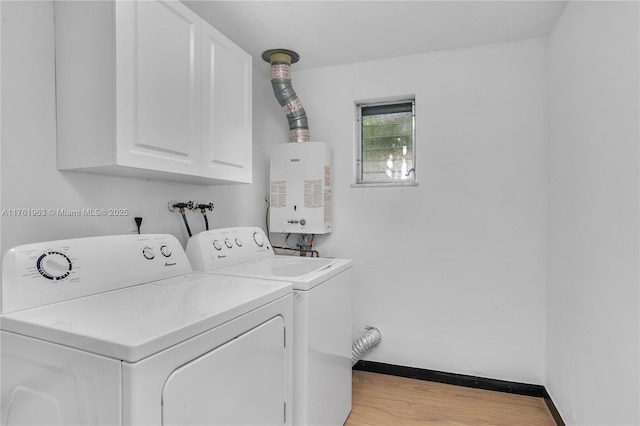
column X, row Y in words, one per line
column 281, row 60
column 365, row 343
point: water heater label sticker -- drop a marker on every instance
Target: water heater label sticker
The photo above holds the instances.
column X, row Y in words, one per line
column 313, row 197
column 278, row 197
column 327, row 176
column 327, row 206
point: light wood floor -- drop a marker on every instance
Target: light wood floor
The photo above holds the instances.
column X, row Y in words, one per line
column 380, row 399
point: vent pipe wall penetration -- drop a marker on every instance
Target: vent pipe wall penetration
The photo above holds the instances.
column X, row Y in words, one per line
column 281, row 60
column 365, row 343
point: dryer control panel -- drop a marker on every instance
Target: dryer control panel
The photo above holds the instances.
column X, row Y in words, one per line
column 219, row 248
column 48, row 272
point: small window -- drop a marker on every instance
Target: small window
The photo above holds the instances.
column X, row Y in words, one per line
column 386, row 143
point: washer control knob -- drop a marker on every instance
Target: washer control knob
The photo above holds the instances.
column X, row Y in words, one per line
column 165, row 250
column 216, row 245
column 228, row 243
column 148, row 253
column 303, row 222
column 257, row 238
column 238, row 242
column 54, row 265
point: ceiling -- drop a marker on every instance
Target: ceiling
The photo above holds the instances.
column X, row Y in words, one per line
column 334, row 32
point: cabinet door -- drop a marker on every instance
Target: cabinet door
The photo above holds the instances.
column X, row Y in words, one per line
column 227, row 138
column 158, row 85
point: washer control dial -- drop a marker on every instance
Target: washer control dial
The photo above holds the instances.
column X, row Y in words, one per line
column 238, row 242
column 165, row 250
column 228, row 243
column 216, row 245
column 257, row 238
column 148, row 253
column 54, row 265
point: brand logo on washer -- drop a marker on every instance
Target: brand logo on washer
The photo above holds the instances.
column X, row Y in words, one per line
column 221, row 256
column 169, row 264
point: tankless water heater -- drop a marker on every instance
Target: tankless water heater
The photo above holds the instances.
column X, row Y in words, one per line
column 300, row 188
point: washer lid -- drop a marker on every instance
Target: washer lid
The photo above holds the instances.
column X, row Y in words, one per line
column 304, row 272
column 133, row 323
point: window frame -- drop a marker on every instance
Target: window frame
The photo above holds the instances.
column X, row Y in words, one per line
column 358, row 172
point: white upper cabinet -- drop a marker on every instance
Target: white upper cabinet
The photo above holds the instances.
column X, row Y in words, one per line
column 148, row 89
column 158, row 86
column 226, row 105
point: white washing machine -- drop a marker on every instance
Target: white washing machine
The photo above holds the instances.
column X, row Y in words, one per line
column 322, row 314
column 119, row 331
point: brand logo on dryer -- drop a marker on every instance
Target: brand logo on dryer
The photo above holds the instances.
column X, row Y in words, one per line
column 169, row 264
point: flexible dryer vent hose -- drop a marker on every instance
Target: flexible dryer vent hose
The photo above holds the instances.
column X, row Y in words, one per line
column 363, row 344
column 281, row 60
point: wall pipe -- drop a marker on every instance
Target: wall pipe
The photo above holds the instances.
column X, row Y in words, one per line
column 281, row 60
column 173, row 205
column 365, row 343
column 203, row 208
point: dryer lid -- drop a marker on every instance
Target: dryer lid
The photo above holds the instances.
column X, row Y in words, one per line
column 133, row 323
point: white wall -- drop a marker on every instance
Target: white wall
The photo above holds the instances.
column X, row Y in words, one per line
column 29, row 175
column 593, row 277
column 452, row 271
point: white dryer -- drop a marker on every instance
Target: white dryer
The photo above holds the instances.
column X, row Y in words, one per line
column 322, row 314
column 119, row 330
